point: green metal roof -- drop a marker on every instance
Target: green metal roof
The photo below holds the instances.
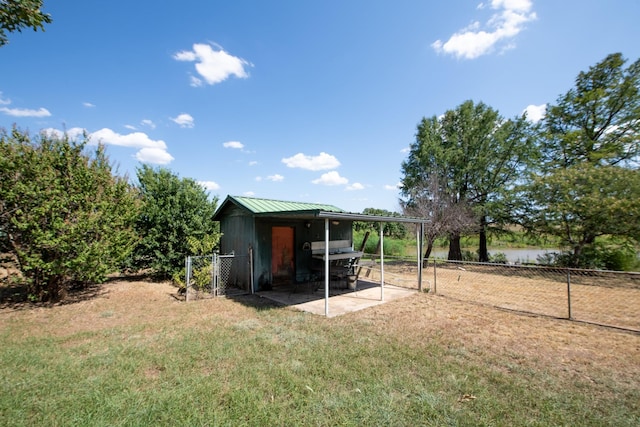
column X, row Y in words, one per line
column 281, row 208
column 268, row 206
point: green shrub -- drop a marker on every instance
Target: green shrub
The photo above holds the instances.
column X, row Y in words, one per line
column 67, row 218
column 600, row 256
column 498, row 258
column 176, row 212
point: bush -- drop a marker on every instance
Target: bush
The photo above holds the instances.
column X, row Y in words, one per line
column 392, row 247
column 470, row 256
column 175, row 211
column 67, row 219
column 597, row 257
column 498, row 258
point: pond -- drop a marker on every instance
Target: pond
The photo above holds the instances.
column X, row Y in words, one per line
column 524, row 255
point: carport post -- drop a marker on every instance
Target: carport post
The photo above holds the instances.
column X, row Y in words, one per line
column 326, row 267
column 381, row 261
column 419, row 238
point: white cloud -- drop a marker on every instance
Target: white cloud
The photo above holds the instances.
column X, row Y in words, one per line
column 72, row 133
column 22, row 112
column 355, row 186
column 233, row 144
column 248, row 194
column 506, row 23
column 405, row 150
column 393, row 187
column 331, row 178
column 322, row 161
column 25, row 112
column 209, row 185
column 195, row 82
column 275, row 178
column 213, row 64
column 149, row 123
column 535, row 113
column 134, row 139
column 184, row 120
column 253, row 163
column 157, row 156
column 88, row 104
column 150, row 151
column 145, row 122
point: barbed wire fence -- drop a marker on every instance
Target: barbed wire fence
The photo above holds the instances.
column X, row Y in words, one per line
column 207, row 276
column 607, row 298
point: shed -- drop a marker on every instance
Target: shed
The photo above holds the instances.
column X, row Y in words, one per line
column 277, row 238
column 278, row 242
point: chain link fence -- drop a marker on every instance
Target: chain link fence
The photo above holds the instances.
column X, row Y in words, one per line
column 607, row 298
column 207, row 276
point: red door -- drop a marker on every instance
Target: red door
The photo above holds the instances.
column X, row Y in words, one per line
column 282, row 251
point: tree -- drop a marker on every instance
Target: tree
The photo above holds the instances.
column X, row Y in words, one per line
column 175, row 211
column 18, row 14
column 587, row 184
column 68, row 220
column 443, row 214
column 395, row 230
column 584, row 202
column 461, row 169
column 598, row 121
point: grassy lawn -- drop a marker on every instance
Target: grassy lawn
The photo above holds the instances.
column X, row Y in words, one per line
column 133, row 355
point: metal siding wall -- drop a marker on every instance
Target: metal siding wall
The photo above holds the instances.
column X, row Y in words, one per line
column 237, row 229
column 262, row 255
column 242, row 230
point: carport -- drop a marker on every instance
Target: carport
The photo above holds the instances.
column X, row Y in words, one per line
column 333, row 217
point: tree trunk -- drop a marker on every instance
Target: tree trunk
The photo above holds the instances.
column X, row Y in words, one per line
column 427, row 252
column 455, row 252
column 483, row 252
column 586, row 241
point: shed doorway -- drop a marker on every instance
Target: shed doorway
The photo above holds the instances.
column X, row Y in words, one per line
column 282, row 255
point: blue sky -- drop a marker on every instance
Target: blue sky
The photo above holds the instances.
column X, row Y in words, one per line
column 295, row 100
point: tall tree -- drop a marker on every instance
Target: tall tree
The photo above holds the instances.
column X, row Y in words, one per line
column 175, row 211
column 597, row 121
column 462, row 166
column 18, row 14
column 587, row 184
column 69, row 221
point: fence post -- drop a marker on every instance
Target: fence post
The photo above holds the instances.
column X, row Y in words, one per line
column 213, row 274
column 569, row 292
column 420, row 233
column 187, row 284
column 216, row 272
column 251, row 268
column 434, row 277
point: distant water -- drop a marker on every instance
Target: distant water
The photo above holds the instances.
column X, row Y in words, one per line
column 513, row 255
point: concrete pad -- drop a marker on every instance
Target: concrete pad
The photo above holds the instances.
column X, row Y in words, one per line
column 341, row 301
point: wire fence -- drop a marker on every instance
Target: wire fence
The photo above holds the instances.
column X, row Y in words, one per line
column 607, row 298
column 207, row 276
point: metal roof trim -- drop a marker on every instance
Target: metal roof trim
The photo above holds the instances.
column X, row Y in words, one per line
column 258, row 206
column 370, row 218
column 306, row 210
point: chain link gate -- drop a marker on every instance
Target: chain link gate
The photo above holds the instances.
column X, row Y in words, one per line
column 207, row 275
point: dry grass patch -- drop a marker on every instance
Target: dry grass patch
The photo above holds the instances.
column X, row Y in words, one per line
column 134, row 355
column 603, row 298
